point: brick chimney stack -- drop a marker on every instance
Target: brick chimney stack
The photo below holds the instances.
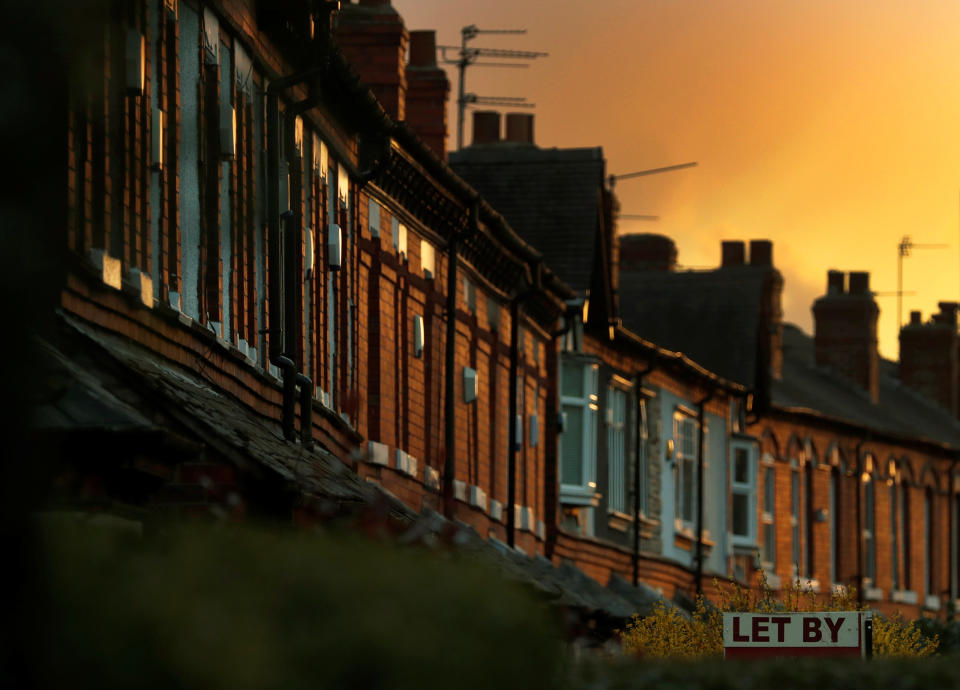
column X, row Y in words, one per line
column 930, row 356
column 647, row 252
column 427, row 91
column 732, row 253
column 374, row 40
column 519, row 128
column 845, row 330
column 486, row 127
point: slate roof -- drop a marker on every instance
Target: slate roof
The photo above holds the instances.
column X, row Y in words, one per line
column 85, row 370
column 712, row 317
column 899, row 411
column 550, row 197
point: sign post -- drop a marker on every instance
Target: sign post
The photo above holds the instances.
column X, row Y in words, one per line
column 814, row 633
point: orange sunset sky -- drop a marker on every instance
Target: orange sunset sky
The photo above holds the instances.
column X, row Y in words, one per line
column 830, row 127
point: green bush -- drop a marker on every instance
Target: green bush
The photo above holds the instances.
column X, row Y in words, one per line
column 781, row 674
column 241, row 608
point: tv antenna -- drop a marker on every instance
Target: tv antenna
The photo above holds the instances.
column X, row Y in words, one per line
column 903, row 249
column 612, row 179
column 636, row 216
column 468, row 56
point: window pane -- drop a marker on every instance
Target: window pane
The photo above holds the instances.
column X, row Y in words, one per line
column 687, row 490
column 767, row 550
column 769, row 489
column 572, row 381
column 741, row 466
column 572, row 442
column 794, row 494
column 741, row 515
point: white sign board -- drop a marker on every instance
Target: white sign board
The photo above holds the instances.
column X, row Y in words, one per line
column 832, row 633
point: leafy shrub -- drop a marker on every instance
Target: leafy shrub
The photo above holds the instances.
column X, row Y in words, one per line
column 666, row 634
column 245, row 608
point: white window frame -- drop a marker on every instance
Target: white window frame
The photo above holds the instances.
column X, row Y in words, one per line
column 588, row 406
column 748, row 489
column 685, row 470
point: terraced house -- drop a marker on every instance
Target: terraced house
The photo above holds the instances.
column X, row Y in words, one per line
column 278, row 300
column 855, row 483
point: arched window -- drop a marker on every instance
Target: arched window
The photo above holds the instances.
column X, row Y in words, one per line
column 837, row 471
column 930, row 533
column 809, row 509
column 906, row 545
column 869, row 523
column 892, row 481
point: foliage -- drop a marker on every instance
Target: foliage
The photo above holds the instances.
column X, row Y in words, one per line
column 667, row 634
column 242, row 608
column 782, row 674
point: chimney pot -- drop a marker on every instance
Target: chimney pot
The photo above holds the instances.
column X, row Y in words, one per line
column 859, row 283
column 914, row 318
column 761, row 253
column 423, row 48
column 732, row 253
column 486, row 127
column 520, row 128
column 835, row 282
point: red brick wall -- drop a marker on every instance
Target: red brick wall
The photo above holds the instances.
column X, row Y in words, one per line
column 790, row 432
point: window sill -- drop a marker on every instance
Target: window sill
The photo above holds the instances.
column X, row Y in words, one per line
column 904, row 596
column 683, row 538
column 872, row 594
column 619, row 521
column 773, row 580
column 579, row 497
column 931, row 602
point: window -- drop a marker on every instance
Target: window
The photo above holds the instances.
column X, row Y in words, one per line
column 870, row 529
column 768, row 545
column 929, row 534
column 809, row 516
column 616, row 450
column 795, row 518
column 743, row 488
column 905, row 545
column 643, row 457
column 834, row 522
column 428, row 259
column 685, row 470
column 578, row 444
column 189, row 195
column 373, row 218
column 894, row 539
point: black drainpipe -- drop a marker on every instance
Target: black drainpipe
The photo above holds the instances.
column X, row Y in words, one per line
column 515, row 312
column 640, row 451
column 700, row 421
column 282, row 311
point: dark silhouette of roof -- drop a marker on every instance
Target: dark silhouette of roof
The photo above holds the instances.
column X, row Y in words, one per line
column 900, row 410
column 550, row 197
column 710, row 316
